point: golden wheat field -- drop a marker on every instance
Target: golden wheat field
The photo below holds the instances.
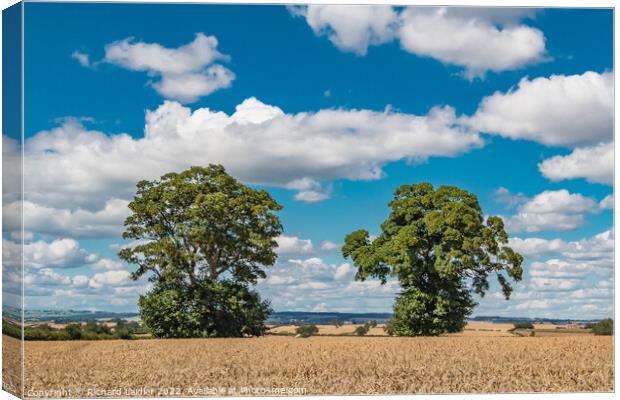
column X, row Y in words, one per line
column 317, row 365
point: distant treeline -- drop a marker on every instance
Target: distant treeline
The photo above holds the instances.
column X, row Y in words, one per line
column 88, row 331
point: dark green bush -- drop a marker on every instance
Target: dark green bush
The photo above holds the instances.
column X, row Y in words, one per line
column 216, row 309
column 362, row 330
column 89, row 331
column 337, row 323
column 604, row 327
column 388, row 328
column 523, row 325
column 74, row 331
column 307, row 330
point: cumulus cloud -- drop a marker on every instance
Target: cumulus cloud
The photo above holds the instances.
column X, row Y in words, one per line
column 593, row 163
column 47, row 288
column 455, row 38
column 431, row 32
column 110, row 278
column 607, row 203
column 597, row 250
column 185, row 73
column 563, row 269
column 503, row 195
column 577, row 280
column 46, row 277
column 532, row 247
column 48, row 282
column 559, row 298
column 82, row 58
column 90, row 176
column 63, row 253
column 328, row 245
column 556, row 111
column 288, row 245
column 351, row 27
column 308, row 283
column 309, row 190
column 60, row 253
column 79, row 222
column 552, row 210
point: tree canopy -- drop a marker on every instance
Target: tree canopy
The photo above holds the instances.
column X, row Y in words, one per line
column 440, row 248
column 198, row 235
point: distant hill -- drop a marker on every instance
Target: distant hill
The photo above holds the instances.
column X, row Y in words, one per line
column 64, row 316
column 278, row 318
column 322, row 318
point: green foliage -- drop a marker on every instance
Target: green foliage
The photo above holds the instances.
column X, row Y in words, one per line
column 523, row 325
column 604, row 327
column 216, row 309
column 389, row 328
column 95, row 328
column 91, row 330
column 372, row 324
column 440, row 248
column 74, row 331
column 193, row 228
column 198, row 224
column 362, row 330
column 11, row 329
column 421, row 313
column 337, row 323
column 306, row 330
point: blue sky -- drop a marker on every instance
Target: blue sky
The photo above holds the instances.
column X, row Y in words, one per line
column 336, row 113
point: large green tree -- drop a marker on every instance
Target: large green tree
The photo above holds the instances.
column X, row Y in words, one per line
column 441, row 249
column 203, row 238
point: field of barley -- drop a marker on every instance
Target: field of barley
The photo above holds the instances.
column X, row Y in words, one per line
column 318, row 365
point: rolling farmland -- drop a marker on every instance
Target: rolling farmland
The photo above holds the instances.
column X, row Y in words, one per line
column 319, row 365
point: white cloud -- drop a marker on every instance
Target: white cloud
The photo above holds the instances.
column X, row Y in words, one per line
column 49, row 277
column 552, row 210
column 350, row 27
column 597, row 250
column 81, row 180
column 342, row 271
column 60, row 253
column 532, row 247
column 309, row 190
column 108, row 264
column 548, row 284
column 556, row 111
column 48, row 289
column 454, row 38
column 503, row 195
column 186, row 73
column 607, row 203
column 288, row 245
column 11, row 177
column 576, row 281
column 595, row 164
column 567, row 274
column 559, row 201
column 450, row 35
column 82, row 58
column 563, row 269
column 79, row 223
column 303, row 284
column 328, row 245
column 533, row 304
column 112, row 278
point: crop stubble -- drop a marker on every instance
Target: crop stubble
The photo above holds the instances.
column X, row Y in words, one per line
column 329, row 365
